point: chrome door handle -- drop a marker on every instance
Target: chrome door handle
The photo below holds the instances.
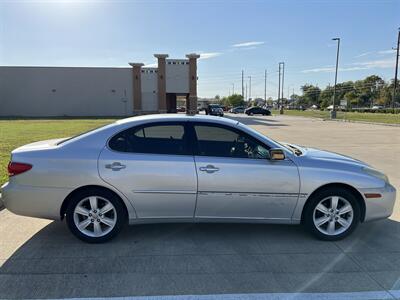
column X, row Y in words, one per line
column 115, row 166
column 209, row 169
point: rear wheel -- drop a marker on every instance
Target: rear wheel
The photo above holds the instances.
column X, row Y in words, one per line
column 332, row 214
column 95, row 216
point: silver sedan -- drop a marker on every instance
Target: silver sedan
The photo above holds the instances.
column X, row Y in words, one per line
column 175, row 168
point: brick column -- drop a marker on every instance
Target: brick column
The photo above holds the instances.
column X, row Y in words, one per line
column 191, row 106
column 162, row 86
column 137, row 87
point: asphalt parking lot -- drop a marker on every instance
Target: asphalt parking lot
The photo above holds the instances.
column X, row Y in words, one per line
column 41, row 259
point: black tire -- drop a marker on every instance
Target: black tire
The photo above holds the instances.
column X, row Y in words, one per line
column 120, row 210
column 308, row 215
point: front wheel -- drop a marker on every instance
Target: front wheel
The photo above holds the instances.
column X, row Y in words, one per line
column 332, row 214
column 95, row 216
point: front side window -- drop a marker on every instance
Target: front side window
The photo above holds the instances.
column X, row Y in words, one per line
column 220, row 141
column 157, row 139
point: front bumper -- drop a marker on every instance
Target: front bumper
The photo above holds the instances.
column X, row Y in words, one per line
column 1, row 203
column 379, row 208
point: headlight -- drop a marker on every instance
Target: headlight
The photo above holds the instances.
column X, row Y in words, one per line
column 375, row 173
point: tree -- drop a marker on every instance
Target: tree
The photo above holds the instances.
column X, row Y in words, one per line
column 311, row 94
column 351, row 98
column 326, row 97
column 234, row 100
column 369, row 89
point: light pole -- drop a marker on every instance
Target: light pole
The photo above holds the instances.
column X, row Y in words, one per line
column 333, row 111
column 265, row 86
column 242, row 85
column 395, row 73
column 233, row 89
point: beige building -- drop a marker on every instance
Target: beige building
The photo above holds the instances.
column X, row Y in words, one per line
column 98, row 91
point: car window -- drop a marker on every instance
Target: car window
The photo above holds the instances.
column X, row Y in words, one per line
column 157, row 139
column 214, row 140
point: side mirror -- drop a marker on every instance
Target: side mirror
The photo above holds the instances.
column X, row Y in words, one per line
column 276, row 154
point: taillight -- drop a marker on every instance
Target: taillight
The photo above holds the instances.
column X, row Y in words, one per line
column 15, row 168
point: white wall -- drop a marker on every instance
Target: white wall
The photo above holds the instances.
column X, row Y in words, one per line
column 177, row 76
column 149, row 89
column 59, row 91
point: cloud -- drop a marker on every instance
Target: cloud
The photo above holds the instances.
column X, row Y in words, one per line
column 207, row 55
column 366, row 65
column 153, row 65
column 318, row 70
column 363, row 54
column 248, row 44
column 377, row 64
column 381, row 52
column 391, row 51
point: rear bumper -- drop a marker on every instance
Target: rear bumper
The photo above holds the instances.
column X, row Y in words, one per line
column 379, row 208
column 31, row 201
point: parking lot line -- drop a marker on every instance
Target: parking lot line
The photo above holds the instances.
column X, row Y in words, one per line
column 265, row 296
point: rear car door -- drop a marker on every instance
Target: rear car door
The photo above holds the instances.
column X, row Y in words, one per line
column 153, row 166
column 236, row 180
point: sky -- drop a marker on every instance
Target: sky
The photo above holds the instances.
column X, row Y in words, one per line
column 231, row 36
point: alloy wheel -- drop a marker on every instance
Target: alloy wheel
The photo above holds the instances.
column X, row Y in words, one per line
column 95, row 216
column 333, row 215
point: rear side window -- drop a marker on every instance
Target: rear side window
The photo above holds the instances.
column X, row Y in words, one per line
column 156, row 139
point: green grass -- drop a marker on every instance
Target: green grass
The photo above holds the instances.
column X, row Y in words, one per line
column 351, row 116
column 15, row 133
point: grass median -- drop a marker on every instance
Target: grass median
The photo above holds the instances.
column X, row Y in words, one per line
column 15, row 133
column 350, row 116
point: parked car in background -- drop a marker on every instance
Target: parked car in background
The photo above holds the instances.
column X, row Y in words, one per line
column 214, row 110
column 237, row 110
column 377, row 107
column 179, row 168
column 255, row 110
column 338, row 107
column 181, row 109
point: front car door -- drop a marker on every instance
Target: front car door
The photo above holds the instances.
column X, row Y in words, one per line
column 236, row 180
column 153, row 166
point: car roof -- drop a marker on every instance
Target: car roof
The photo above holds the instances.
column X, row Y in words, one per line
column 177, row 117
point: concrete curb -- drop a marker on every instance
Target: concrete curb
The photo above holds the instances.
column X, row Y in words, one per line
column 362, row 122
column 345, row 120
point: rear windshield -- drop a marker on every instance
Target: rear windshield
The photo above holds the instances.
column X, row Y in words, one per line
column 83, row 133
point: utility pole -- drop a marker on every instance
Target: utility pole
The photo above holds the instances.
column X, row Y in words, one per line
column 265, row 86
column 280, row 90
column 395, row 72
column 333, row 111
column 242, row 86
column 233, row 89
column 246, row 94
column 250, row 88
column 283, row 79
column 279, row 85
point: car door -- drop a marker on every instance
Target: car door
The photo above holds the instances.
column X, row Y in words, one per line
column 153, row 166
column 237, row 180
